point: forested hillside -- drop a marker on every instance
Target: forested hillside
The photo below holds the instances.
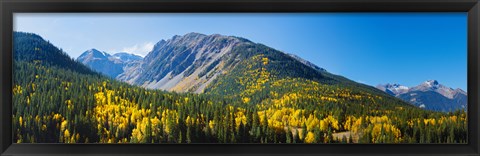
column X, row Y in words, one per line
column 267, row 98
column 30, row 47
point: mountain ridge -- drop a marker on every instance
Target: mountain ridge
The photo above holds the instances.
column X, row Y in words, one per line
column 46, row 53
column 430, row 95
column 107, row 64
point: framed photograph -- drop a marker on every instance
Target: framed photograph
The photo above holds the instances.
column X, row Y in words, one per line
column 261, row 77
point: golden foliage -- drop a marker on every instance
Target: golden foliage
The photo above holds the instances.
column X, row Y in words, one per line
column 310, row 138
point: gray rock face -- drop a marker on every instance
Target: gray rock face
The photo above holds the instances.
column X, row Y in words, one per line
column 107, row 64
column 183, row 63
column 429, row 95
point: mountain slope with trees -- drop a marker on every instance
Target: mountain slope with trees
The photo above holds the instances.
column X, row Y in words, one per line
column 31, row 47
column 54, row 104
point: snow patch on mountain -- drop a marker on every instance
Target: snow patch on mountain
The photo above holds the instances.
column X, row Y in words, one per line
column 393, row 89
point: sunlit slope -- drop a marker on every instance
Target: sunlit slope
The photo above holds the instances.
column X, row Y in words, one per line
column 259, row 70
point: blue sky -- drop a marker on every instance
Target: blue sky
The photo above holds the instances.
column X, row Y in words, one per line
column 371, row 48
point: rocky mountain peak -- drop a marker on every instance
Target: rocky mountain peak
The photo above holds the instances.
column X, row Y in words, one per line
column 434, row 85
column 159, row 44
column 193, row 35
column 393, row 89
column 430, row 94
column 105, row 63
column 431, row 84
column 181, row 60
column 93, row 54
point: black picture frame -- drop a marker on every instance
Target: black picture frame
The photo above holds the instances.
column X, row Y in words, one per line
column 8, row 7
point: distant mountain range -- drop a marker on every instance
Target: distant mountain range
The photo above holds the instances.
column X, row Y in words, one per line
column 430, row 95
column 110, row 65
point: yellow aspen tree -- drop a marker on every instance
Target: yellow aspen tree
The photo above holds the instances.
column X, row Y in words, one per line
column 310, row 138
